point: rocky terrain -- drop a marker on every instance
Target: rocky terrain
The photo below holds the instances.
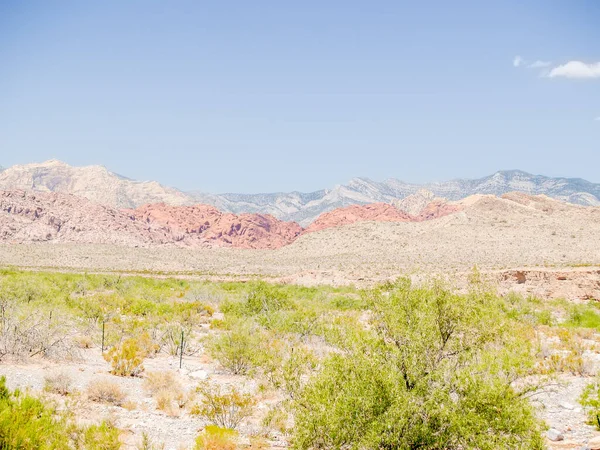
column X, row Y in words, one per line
column 515, row 231
column 305, row 208
column 202, row 224
column 27, row 216
column 102, row 186
column 52, row 217
column 95, row 183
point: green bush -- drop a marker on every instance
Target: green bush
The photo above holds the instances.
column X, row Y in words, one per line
column 435, row 372
column 590, row 400
column 101, row 437
column 225, row 409
column 28, row 423
column 263, row 298
column 126, row 358
column 216, row 438
column 584, row 316
column 237, row 348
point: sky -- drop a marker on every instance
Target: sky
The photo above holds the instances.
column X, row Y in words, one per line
column 265, row 96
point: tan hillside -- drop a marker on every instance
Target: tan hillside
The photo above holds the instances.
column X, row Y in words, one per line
column 493, row 233
column 95, row 183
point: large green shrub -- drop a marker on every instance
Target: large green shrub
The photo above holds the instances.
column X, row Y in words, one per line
column 238, row 349
column 28, row 423
column 435, row 371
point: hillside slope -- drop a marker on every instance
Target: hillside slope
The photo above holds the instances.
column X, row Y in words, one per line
column 102, row 186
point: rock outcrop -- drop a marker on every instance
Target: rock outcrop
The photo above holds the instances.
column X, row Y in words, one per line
column 375, row 212
column 206, row 225
column 100, row 185
column 52, row 217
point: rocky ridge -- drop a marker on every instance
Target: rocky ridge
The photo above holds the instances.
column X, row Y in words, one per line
column 206, row 225
column 103, row 186
column 96, row 183
column 27, row 216
column 62, row 218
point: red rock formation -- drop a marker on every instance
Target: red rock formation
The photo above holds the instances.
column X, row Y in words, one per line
column 29, row 217
column 203, row 224
column 377, row 212
column 38, row 217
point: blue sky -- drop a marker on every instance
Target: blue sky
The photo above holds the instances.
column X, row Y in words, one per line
column 276, row 96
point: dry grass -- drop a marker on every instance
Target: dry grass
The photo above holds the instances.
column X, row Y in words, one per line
column 105, row 391
column 167, row 391
column 58, row 383
column 155, row 382
column 84, row 341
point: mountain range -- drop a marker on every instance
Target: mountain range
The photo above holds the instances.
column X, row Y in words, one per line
column 100, row 185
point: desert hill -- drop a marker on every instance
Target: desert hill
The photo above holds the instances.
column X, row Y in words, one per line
column 103, row 186
column 492, row 232
column 59, row 218
column 95, row 183
column 202, row 224
column 27, row 216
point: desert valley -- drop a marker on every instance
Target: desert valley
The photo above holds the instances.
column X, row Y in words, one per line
column 150, row 320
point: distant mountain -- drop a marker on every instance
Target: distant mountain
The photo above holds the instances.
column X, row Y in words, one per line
column 102, row 186
column 95, row 183
column 27, row 216
column 305, row 208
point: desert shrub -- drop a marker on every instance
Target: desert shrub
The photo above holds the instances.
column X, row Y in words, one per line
column 590, row 400
column 226, row 409
column 585, row 316
column 284, row 366
column 147, row 346
column 58, row 383
column 28, row 423
column 155, row 382
column 26, row 330
column 263, row 298
column 101, row 437
column 105, row 391
column 148, row 444
column 544, row 317
column 237, row 348
column 167, row 391
column 276, row 419
column 437, row 370
column 216, row 438
column 84, row 341
column 126, row 359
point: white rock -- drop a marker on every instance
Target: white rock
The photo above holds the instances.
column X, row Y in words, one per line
column 554, row 435
column 199, row 374
column 594, row 443
column 568, row 406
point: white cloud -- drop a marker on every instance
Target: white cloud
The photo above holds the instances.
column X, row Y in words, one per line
column 576, row 69
column 517, row 61
column 597, row 119
column 539, row 64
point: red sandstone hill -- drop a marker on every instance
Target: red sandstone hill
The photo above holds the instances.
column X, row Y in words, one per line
column 39, row 217
column 207, row 225
column 379, row 212
column 52, row 217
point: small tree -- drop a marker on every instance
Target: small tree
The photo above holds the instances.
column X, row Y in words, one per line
column 435, row 370
column 226, row 409
column 590, row 400
column 237, row 349
column 126, row 359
